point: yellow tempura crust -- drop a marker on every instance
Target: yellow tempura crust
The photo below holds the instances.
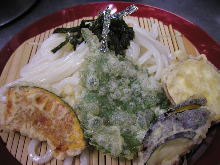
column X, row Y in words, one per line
column 194, row 76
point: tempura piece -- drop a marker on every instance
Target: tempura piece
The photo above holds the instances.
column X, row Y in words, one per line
column 194, row 76
column 39, row 113
column 175, row 133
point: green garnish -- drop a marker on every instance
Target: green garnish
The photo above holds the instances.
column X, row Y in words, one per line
column 119, row 36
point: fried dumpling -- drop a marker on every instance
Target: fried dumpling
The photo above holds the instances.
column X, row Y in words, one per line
column 39, row 113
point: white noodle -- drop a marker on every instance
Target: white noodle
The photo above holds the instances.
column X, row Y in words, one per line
column 131, row 21
column 135, row 24
column 49, row 65
column 32, row 147
column 84, row 157
column 59, row 70
column 152, row 69
column 133, row 51
column 146, row 56
column 165, row 60
column 156, row 55
column 161, row 48
column 145, row 43
column 154, row 31
column 44, row 53
column 57, row 74
column 68, row 160
column 73, row 80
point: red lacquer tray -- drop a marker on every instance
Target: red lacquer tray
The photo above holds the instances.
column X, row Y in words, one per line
column 200, row 39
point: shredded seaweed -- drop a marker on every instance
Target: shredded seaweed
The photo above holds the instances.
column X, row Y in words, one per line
column 119, row 36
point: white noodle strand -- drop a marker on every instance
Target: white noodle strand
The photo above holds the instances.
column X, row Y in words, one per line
column 68, row 160
column 145, row 43
column 34, row 143
column 84, row 157
column 133, row 51
column 146, row 56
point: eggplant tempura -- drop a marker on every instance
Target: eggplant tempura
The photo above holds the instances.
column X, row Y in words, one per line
column 176, row 132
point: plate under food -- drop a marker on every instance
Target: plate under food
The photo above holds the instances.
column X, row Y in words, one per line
column 173, row 31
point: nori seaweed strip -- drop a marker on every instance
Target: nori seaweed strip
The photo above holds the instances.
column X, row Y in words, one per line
column 118, row 38
column 105, row 30
column 54, row 50
column 130, row 9
column 66, row 30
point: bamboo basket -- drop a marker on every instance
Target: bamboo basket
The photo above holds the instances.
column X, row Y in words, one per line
column 17, row 144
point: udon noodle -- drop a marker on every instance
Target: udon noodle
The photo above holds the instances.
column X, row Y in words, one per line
column 61, row 70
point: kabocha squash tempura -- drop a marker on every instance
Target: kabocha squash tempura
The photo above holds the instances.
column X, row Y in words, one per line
column 39, row 113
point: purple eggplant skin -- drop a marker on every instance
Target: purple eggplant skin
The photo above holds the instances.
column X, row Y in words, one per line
column 188, row 124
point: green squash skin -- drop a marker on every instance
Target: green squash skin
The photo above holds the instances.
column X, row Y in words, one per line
column 117, row 102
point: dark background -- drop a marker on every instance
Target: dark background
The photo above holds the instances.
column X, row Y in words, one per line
column 204, row 13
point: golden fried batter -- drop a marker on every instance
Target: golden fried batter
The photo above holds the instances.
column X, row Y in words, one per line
column 192, row 77
column 38, row 113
